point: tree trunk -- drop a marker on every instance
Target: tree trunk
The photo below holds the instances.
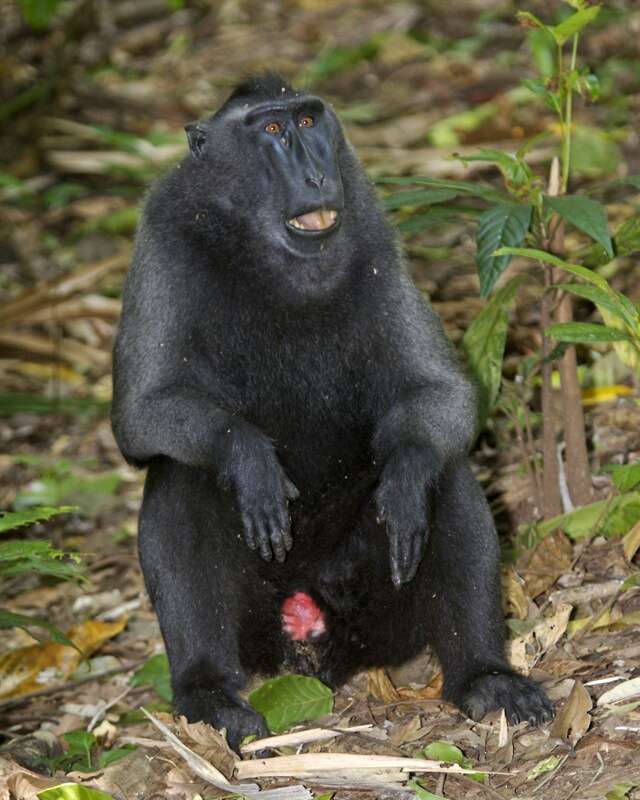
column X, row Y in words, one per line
column 551, row 501
column 575, row 439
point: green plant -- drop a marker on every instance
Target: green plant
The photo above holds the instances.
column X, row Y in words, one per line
column 624, row 316
column 60, row 481
column 83, row 754
column 20, row 557
column 39, row 13
column 528, row 219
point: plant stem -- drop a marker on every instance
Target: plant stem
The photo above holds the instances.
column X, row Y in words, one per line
column 568, row 111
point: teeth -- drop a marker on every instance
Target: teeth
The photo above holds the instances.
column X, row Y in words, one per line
column 318, row 220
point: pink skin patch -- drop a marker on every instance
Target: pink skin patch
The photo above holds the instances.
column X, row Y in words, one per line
column 301, row 618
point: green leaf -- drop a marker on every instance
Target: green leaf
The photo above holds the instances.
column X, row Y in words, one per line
column 631, row 582
column 448, row 753
column 620, row 791
column 78, row 755
column 89, row 493
column 483, row 345
column 419, row 197
column 333, row 60
column 515, row 171
column 436, row 215
column 548, row 258
column 620, row 518
column 445, row 752
column 155, row 672
column 585, row 332
column 573, row 24
column 422, row 793
column 10, row 520
column 625, row 476
column 544, row 766
column 585, row 214
column 595, row 295
column 73, row 791
column 18, row 557
column 108, row 757
column 499, row 226
column 627, row 238
column 462, row 187
column 290, row 699
column 9, row 619
column 38, row 13
column 23, row 403
column 540, row 89
column 529, row 20
column 594, row 153
column 543, row 53
column 609, row 517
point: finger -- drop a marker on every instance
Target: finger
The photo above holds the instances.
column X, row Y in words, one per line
column 277, row 540
column 282, row 515
column 394, row 559
column 264, row 541
column 287, row 537
column 277, row 545
column 284, row 526
column 380, row 508
column 415, row 556
column 290, row 490
column 249, row 532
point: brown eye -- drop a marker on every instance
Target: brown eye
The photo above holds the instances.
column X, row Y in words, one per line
column 306, row 121
column 273, row 128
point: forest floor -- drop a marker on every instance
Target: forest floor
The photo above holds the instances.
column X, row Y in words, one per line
column 413, row 86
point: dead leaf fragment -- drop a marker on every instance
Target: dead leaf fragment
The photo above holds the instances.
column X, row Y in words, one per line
column 525, row 651
column 381, row 686
column 574, row 720
column 209, row 743
column 544, row 565
column 513, row 593
column 623, row 691
column 631, row 542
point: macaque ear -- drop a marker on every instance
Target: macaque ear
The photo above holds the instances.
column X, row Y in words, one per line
column 196, row 136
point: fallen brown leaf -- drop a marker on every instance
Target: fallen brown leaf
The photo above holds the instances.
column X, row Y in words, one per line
column 542, row 567
column 21, row 670
column 574, row 720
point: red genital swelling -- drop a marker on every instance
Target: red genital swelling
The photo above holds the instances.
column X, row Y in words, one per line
column 301, row 618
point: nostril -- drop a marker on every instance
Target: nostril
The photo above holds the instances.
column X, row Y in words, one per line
column 315, row 180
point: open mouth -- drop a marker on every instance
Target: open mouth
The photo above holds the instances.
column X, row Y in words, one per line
column 314, row 222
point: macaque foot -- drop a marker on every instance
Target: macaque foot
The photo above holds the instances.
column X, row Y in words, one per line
column 235, row 716
column 522, row 699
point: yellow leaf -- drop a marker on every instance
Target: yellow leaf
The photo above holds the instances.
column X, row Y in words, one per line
column 631, row 542
column 513, row 594
column 626, row 352
column 578, row 624
column 29, row 669
column 604, row 394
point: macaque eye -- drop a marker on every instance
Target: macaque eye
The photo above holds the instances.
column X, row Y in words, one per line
column 273, row 128
column 306, row 122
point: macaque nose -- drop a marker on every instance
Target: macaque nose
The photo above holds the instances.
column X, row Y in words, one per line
column 315, row 180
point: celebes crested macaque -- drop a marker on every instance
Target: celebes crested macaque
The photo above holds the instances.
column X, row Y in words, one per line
column 305, row 425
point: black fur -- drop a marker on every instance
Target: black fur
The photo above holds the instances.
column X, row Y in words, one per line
column 296, row 396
